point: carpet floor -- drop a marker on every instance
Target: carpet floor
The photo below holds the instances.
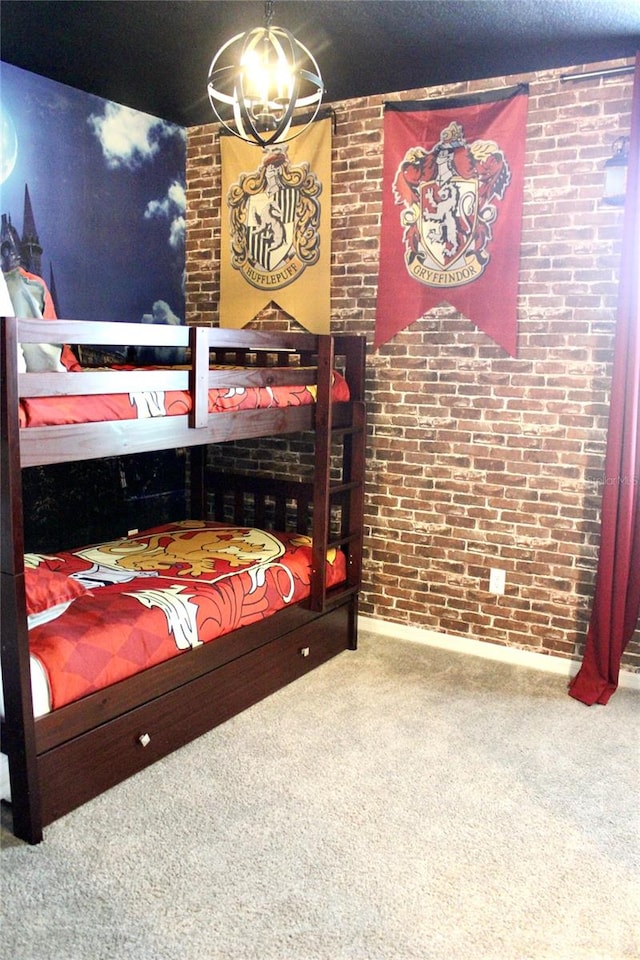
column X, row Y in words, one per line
column 399, row 803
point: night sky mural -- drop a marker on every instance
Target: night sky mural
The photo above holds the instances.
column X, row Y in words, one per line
column 106, row 186
column 96, row 193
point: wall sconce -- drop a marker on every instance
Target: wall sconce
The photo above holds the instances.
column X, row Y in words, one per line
column 615, row 173
column 257, row 81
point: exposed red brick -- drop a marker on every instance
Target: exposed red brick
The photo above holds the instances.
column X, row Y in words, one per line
column 475, row 459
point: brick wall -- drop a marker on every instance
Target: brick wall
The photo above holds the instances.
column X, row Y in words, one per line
column 476, row 459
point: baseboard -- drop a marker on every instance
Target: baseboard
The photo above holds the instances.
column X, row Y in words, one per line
column 491, row 651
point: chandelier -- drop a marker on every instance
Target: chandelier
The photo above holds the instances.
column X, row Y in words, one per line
column 259, row 79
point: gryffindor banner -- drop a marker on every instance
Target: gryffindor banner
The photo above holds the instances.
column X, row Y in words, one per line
column 452, row 211
column 276, row 228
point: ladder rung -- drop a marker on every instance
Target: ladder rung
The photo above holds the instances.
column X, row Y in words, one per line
column 342, row 487
column 346, row 431
column 337, row 594
column 343, row 540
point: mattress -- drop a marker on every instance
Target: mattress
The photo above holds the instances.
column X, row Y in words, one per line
column 102, row 613
column 51, row 411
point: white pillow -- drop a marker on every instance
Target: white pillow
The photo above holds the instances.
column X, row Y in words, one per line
column 22, row 363
column 43, row 357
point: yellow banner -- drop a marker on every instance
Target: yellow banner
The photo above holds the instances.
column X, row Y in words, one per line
column 276, row 229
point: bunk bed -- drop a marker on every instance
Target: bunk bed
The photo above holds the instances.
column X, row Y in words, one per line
column 86, row 743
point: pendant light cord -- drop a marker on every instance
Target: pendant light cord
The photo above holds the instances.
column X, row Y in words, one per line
column 268, row 13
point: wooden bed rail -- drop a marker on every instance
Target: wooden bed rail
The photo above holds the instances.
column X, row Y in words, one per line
column 258, row 501
column 107, row 333
column 273, row 359
column 226, row 343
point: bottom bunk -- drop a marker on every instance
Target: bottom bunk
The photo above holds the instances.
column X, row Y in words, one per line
column 191, row 606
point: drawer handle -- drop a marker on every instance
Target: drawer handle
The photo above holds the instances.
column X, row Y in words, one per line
column 304, row 651
column 144, row 739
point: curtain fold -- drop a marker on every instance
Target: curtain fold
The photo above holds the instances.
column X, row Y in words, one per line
column 616, row 602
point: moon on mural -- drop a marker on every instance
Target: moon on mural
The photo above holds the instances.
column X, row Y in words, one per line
column 8, row 145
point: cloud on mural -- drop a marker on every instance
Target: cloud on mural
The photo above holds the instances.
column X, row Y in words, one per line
column 172, row 208
column 128, row 137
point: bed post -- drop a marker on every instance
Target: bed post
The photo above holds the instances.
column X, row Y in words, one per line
column 346, row 492
column 199, row 376
column 198, row 417
column 354, row 453
column 18, row 732
column 321, row 480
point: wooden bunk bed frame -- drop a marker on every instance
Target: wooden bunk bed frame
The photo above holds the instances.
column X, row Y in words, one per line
column 60, row 761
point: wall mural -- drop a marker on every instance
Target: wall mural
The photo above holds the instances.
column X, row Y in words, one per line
column 96, row 193
column 92, row 198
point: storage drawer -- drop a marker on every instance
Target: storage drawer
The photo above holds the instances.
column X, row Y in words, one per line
column 76, row 771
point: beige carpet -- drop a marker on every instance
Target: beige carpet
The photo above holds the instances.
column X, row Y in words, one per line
column 400, row 803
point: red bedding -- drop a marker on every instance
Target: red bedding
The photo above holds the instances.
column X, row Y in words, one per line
column 48, row 411
column 155, row 594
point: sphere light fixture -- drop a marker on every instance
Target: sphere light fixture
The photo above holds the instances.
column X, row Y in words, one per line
column 258, row 82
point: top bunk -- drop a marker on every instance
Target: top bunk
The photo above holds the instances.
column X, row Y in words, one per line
column 231, row 385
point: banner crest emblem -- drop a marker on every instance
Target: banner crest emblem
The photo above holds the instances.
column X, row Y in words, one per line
column 452, row 202
column 274, row 220
column 451, row 195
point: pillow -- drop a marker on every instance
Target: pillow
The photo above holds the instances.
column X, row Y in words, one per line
column 43, row 357
column 46, row 588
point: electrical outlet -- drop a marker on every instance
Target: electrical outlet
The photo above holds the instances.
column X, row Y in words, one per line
column 497, row 580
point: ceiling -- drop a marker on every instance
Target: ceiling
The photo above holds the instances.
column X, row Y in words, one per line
column 155, row 56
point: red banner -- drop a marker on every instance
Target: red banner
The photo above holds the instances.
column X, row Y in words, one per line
column 452, row 211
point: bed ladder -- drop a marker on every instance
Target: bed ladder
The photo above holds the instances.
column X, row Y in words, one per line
column 339, row 475
column 18, row 726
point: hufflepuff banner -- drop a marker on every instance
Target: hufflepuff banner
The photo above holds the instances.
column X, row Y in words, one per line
column 276, row 228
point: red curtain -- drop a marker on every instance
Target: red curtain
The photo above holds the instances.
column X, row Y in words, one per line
column 616, row 603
